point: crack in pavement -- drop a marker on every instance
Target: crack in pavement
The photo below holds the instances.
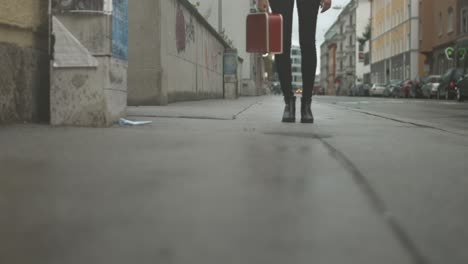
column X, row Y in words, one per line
column 377, row 204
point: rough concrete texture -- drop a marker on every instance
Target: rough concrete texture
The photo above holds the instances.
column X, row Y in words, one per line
column 25, row 14
column 24, row 84
column 144, row 54
column 24, row 64
column 192, row 57
column 77, row 97
column 88, row 94
column 249, row 190
column 68, row 50
column 172, row 55
column 94, row 31
column 116, row 92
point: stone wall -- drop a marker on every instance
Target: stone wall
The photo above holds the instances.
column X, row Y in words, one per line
column 24, row 67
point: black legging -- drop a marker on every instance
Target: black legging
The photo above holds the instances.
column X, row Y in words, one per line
column 308, row 12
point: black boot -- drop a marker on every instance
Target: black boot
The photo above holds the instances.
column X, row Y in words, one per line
column 306, row 112
column 289, row 115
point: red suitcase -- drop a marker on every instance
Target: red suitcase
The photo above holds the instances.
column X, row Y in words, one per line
column 265, row 33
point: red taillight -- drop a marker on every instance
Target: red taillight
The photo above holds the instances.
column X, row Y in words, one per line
column 452, row 84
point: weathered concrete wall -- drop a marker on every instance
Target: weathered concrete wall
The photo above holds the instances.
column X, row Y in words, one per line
column 24, row 67
column 177, row 55
column 144, row 72
column 99, row 97
column 192, row 57
column 93, row 30
column 75, row 99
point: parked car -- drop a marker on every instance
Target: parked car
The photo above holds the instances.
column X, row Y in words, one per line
column 448, row 82
column 393, row 88
column 461, row 89
column 416, row 88
column 377, row 90
column 429, row 90
column 405, row 88
column 366, row 89
column 429, row 86
column 359, row 90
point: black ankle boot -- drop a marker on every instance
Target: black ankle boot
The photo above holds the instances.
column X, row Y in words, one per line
column 306, row 111
column 289, row 115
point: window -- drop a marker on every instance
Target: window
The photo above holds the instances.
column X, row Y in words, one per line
column 351, row 19
column 464, row 20
column 440, row 24
column 350, row 41
column 450, row 20
column 351, row 61
column 341, row 65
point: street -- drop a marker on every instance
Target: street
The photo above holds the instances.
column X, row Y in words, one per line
column 374, row 180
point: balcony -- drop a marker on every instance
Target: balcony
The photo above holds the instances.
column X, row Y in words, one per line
column 350, row 28
column 350, row 50
column 339, row 37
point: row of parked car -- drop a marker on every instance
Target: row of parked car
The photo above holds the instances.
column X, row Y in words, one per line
column 453, row 84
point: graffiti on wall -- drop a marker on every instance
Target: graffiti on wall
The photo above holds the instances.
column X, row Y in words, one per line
column 185, row 30
column 120, row 29
column 212, row 59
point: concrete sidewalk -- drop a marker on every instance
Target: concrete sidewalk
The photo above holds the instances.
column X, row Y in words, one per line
column 205, row 109
column 351, row 188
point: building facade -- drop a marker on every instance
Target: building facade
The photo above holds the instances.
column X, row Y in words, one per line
column 462, row 36
column 343, row 57
column 439, row 30
column 395, row 40
column 362, row 56
column 328, row 61
column 296, row 67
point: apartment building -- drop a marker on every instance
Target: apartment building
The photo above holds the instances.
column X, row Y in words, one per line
column 462, row 36
column 395, row 40
column 362, row 56
column 296, row 67
column 328, row 61
column 439, row 31
column 343, row 58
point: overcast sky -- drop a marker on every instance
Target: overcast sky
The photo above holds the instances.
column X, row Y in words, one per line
column 325, row 20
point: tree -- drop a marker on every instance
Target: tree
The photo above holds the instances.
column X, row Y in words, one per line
column 366, row 35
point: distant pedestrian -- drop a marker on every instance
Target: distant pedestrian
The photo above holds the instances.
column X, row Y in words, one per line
column 308, row 13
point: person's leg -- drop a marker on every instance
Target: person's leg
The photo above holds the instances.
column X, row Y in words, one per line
column 308, row 12
column 283, row 61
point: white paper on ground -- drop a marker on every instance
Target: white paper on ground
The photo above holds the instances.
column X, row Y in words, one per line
column 125, row 122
